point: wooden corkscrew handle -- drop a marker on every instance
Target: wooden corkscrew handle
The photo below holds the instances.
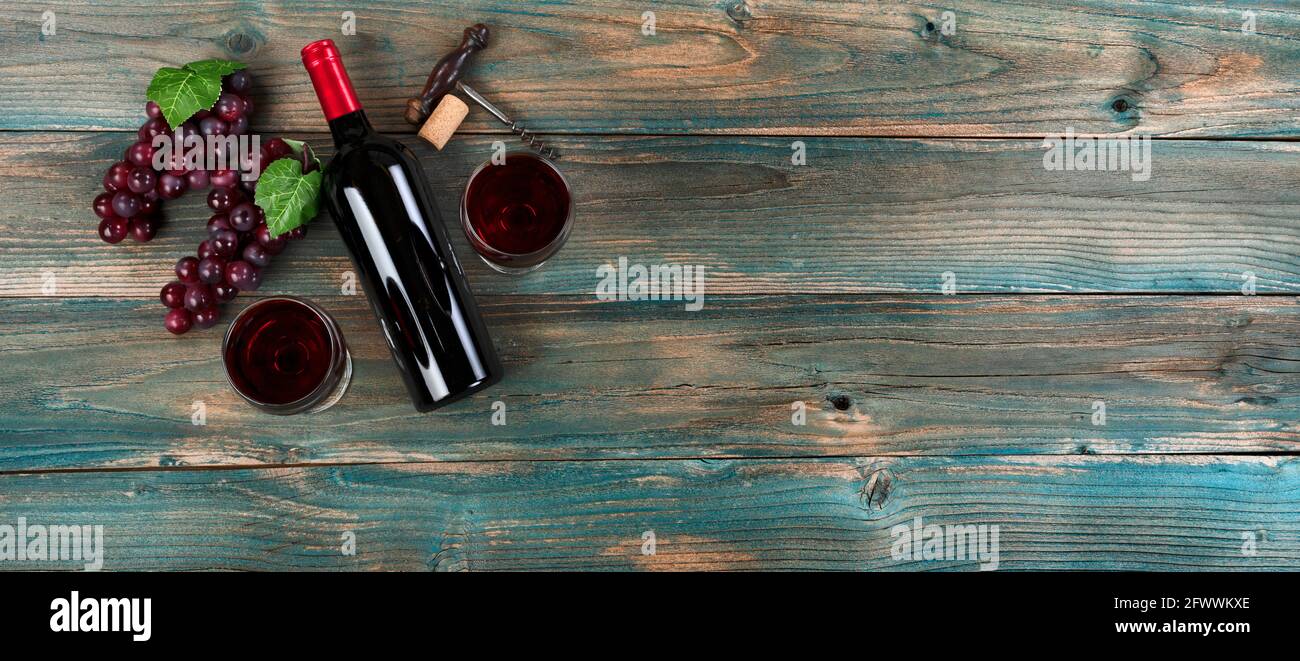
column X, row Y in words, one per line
column 446, row 73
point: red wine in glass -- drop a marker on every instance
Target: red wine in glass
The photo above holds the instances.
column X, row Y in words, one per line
column 517, row 214
column 285, row 355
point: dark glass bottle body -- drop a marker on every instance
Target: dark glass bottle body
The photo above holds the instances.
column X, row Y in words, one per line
column 375, row 189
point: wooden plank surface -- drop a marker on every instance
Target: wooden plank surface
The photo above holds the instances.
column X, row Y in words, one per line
column 1131, row 513
column 97, row 383
column 924, row 157
column 860, row 216
column 1028, row 67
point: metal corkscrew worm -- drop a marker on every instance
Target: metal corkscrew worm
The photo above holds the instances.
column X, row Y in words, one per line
column 528, row 137
column 439, row 113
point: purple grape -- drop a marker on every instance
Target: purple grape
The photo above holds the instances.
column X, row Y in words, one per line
column 239, row 126
column 239, row 82
column 248, row 106
column 103, row 205
column 256, row 255
column 275, row 149
column 191, row 127
column 221, row 198
column 113, row 229
column 126, row 204
column 178, row 321
column 140, row 154
column 198, row 296
column 224, row 292
column 173, row 164
column 177, row 163
column 224, row 178
column 173, row 294
column 198, row 179
column 171, row 186
column 213, row 126
column 299, row 232
column 121, row 169
column 218, row 222
column 153, row 128
column 143, row 228
column 243, row 217
column 229, row 107
column 152, row 110
column 205, row 250
column 148, row 204
column 212, row 270
column 116, row 178
column 243, row 276
column 141, row 180
column 207, row 317
column 273, row 244
column 187, row 270
column 225, row 243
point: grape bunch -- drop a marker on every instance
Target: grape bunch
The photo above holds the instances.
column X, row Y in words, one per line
column 135, row 190
column 239, row 243
column 238, row 247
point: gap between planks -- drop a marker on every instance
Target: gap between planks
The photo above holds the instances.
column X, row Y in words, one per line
column 252, row 296
column 664, row 460
column 746, row 133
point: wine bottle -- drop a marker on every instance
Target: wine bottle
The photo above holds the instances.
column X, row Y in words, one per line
column 376, row 192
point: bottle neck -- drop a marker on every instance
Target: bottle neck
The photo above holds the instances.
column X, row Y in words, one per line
column 349, row 128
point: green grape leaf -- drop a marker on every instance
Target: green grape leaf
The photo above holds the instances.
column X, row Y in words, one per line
column 287, row 196
column 215, row 68
column 182, row 92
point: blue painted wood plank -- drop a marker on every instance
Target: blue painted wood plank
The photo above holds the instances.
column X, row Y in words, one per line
column 98, row 383
column 977, row 68
column 1049, row 513
column 860, row 216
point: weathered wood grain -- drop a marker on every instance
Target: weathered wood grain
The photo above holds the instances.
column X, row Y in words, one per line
column 861, row 216
column 99, row 383
column 1029, row 67
column 1090, row 513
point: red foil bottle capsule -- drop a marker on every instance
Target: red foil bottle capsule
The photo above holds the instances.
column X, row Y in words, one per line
column 330, row 79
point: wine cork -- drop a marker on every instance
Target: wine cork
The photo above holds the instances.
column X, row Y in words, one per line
column 444, row 120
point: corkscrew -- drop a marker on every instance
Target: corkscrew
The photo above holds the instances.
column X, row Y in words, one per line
column 528, row 137
column 439, row 113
